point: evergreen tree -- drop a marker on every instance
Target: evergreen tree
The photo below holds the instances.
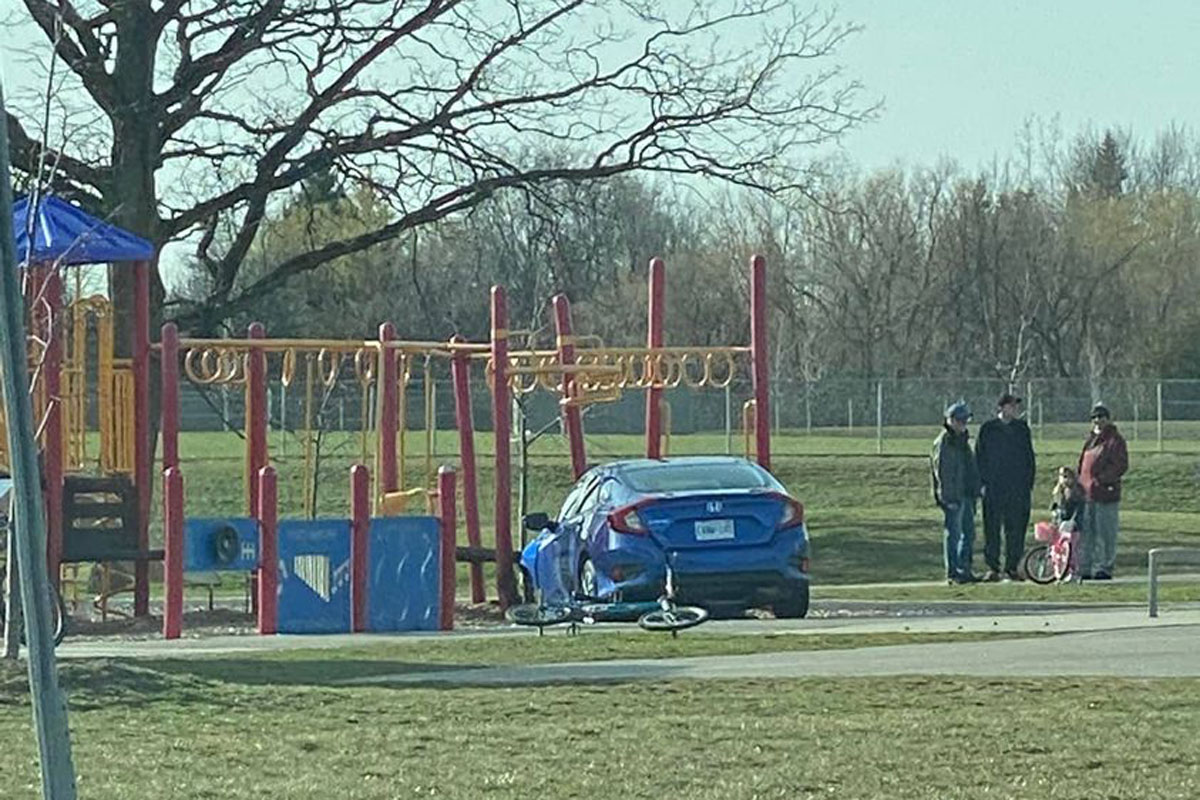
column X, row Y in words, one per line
column 1108, row 172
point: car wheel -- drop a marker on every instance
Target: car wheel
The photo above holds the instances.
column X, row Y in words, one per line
column 589, row 585
column 793, row 605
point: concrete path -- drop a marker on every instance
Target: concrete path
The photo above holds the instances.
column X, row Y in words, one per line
column 1058, row 620
column 1165, row 651
column 1137, row 578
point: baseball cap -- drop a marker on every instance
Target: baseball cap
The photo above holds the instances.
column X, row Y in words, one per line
column 1099, row 410
column 1008, row 398
column 958, row 410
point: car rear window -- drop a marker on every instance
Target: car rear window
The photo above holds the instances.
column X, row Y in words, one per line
column 696, row 477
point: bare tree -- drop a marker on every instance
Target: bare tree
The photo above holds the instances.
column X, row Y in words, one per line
column 209, row 109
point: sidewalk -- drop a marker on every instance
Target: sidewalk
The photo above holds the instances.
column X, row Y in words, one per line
column 1057, row 621
column 1168, row 651
column 1173, row 577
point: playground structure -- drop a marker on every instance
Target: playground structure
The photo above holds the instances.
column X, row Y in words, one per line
column 579, row 370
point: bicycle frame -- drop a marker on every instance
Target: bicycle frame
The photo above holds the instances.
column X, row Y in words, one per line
column 588, row 612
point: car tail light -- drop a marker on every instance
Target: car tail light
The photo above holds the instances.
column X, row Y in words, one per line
column 626, row 520
column 792, row 513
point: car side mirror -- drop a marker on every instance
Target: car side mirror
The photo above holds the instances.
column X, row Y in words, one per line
column 537, row 521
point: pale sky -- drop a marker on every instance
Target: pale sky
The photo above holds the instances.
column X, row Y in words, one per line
column 959, row 78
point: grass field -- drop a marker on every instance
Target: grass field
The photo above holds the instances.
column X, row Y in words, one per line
column 242, row 727
column 222, row 730
column 870, row 516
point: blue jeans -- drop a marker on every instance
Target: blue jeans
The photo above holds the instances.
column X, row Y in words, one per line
column 960, row 538
column 1100, row 524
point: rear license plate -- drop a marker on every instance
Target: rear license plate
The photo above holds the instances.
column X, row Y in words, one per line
column 708, row 530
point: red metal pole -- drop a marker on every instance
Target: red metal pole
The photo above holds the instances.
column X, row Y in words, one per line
column 449, row 563
column 389, row 412
column 268, row 551
column 54, row 331
column 173, row 555
column 502, row 415
column 170, row 395
column 461, row 371
column 654, row 339
column 143, row 451
column 360, row 521
column 256, row 417
column 172, row 482
column 572, row 422
column 758, row 352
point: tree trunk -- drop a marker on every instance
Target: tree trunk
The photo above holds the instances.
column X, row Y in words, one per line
column 136, row 155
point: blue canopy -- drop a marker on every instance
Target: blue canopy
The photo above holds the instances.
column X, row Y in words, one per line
column 65, row 234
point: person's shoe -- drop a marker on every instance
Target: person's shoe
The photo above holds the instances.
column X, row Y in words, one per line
column 1012, row 575
column 1087, row 576
column 968, row 578
column 991, row 576
column 1102, row 576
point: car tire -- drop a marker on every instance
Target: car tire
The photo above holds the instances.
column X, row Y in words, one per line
column 586, row 578
column 793, row 605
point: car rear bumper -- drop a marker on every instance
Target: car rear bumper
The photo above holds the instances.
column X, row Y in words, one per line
column 747, row 588
column 745, row 575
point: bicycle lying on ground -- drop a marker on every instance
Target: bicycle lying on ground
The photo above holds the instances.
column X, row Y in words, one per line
column 663, row 614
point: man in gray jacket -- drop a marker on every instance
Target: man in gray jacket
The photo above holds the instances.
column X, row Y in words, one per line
column 955, row 487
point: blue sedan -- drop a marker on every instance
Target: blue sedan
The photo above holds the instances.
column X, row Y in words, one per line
column 734, row 536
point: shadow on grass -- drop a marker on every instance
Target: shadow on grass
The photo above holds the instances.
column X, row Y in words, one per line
column 292, row 672
column 104, row 684
column 184, row 682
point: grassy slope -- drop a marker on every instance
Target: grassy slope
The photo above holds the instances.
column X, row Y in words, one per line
column 870, row 516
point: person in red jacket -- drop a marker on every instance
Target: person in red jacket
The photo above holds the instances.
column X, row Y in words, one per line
column 1102, row 463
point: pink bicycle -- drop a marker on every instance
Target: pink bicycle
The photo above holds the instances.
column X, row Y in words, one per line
column 1052, row 559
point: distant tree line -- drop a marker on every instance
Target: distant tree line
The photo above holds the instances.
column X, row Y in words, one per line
column 1077, row 257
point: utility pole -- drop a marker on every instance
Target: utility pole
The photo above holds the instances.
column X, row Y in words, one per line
column 29, row 512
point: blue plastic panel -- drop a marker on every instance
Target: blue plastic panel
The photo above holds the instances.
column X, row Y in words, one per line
column 314, row 576
column 402, row 588
column 199, row 550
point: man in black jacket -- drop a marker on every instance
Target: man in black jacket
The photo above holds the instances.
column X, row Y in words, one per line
column 1004, row 453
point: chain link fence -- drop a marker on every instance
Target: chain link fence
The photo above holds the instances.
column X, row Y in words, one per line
column 1148, row 410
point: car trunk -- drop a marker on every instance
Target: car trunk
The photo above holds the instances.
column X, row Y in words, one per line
column 712, row 520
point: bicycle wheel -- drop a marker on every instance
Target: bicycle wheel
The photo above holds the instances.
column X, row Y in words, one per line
column 538, row 615
column 58, row 618
column 1060, row 557
column 675, row 618
column 1039, row 565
